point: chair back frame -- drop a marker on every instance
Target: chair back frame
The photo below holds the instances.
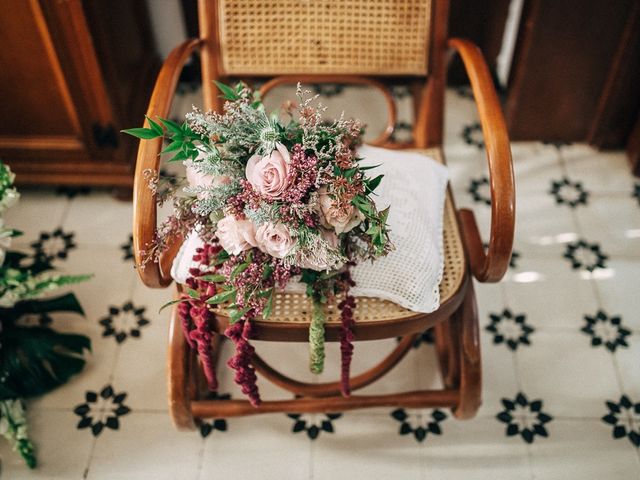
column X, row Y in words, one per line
column 428, row 89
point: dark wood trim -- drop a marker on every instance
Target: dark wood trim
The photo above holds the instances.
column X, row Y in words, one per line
column 620, row 99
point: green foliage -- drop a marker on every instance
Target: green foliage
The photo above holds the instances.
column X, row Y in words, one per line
column 36, row 360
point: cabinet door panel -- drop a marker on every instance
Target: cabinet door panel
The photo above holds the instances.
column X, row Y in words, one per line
column 35, row 96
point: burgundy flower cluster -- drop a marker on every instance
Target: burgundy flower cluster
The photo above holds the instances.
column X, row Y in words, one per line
column 195, row 315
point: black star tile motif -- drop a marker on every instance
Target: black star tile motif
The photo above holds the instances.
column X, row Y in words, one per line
column 328, row 89
column 558, row 144
column 479, row 190
column 219, row 424
column 425, row 337
column 101, row 410
column 72, row 192
column 624, row 416
column 123, row 322
column 53, row 245
column 584, row 255
column 402, row 132
column 524, row 418
column 302, row 423
column 606, row 331
column 510, row 329
column 636, row 192
column 399, row 92
column 568, row 192
column 417, row 427
column 127, row 249
column 472, row 135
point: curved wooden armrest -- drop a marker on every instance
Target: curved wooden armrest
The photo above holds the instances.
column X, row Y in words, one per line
column 156, row 274
column 489, row 267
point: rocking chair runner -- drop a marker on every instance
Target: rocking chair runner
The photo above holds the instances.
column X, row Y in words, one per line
column 317, row 42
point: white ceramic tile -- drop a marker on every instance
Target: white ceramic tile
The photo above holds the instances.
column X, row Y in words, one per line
column 257, row 447
column 534, row 170
column 99, row 219
column 146, row 446
column 627, row 360
column 606, row 172
column 543, row 229
column 614, row 223
column 567, row 373
column 619, row 290
column 474, row 449
column 534, row 289
column 499, row 376
column 37, row 210
column 147, row 382
column 56, row 461
column 584, row 450
column 367, row 447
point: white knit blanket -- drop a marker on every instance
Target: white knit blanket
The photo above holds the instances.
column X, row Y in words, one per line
column 414, row 185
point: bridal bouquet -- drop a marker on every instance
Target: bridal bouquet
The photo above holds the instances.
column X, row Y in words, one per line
column 273, row 197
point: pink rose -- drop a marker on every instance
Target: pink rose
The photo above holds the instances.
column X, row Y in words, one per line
column 342, row 220
column 269, row 175
column 235, row 235
column 274, row 239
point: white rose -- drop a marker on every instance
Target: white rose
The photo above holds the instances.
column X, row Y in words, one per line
column 274, row 239
column 235, row 235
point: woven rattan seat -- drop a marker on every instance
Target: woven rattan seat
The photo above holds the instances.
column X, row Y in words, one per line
column 296, row 307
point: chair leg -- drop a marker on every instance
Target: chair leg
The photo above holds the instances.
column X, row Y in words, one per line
column 465, row 326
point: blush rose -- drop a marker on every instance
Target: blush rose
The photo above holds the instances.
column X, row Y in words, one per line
column 269, row 175
column 342, row 220
column 235, row 235
column 274, row 239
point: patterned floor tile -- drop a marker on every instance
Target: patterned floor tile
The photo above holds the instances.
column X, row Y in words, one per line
column 567, row 373
column 381, row 449
column 56, row 460
column 584, row 450
column 145, row 446
column 533, row 288
column 475, row 449
column 90, row 217
column 613, row 222
column 37, row 210
column 259, row 447
column 618, row 290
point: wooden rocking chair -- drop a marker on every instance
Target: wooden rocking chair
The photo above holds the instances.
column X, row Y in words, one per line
column 368, row 42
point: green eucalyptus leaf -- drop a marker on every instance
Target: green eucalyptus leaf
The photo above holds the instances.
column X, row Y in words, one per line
column 222, row 297
column 172, row 302
column 172, row 126
column 193, row 293
column 228, row 93
column 214, row 278
column 172, row 147
column 155, row 126
column 143, row 133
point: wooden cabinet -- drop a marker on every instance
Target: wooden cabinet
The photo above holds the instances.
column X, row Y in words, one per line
column 73, row 74
column 576, row 72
